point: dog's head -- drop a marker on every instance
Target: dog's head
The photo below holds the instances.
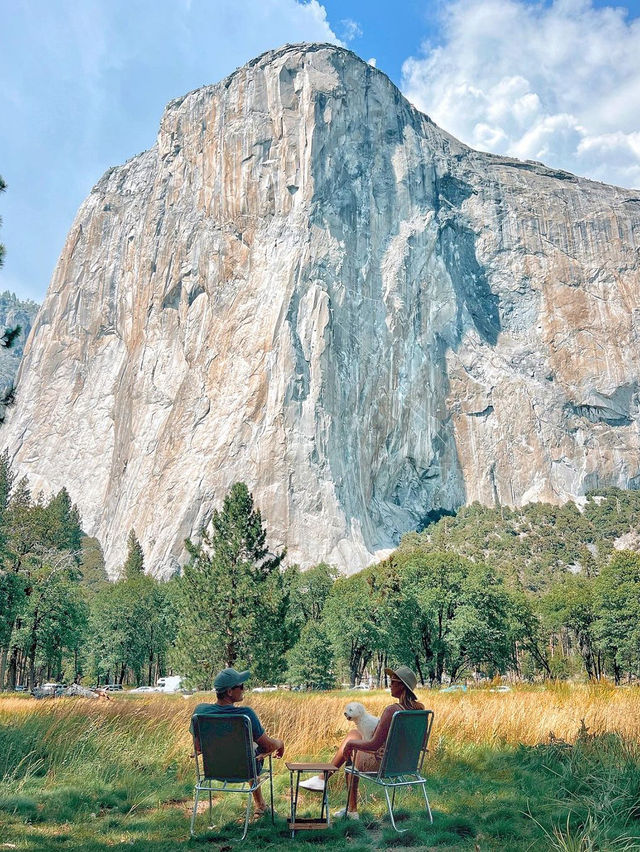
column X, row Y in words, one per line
column 354, row 711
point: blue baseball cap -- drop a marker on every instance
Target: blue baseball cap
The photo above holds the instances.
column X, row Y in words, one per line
column 228, row 678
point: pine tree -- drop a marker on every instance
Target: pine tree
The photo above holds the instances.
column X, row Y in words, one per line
column 134, row 563
column 62, row 521
column 230, row 596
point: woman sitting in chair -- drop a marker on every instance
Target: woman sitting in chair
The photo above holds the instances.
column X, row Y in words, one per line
column 403, row 683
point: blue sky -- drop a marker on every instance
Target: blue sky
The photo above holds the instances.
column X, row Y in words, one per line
column 83, row 84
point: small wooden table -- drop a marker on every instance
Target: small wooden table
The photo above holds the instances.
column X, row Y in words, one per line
column 323, row 821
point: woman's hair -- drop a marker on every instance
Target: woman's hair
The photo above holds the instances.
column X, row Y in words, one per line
column 408, row 701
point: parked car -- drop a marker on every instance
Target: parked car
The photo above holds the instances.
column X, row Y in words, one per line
column 113, row 687
column 52, row 688
column 143, row 689
column 19, row 688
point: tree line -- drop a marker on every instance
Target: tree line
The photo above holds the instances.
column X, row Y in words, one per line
column 538, row 592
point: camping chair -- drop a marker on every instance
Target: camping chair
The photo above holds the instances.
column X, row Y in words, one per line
column 224, row 743
column 402, row 759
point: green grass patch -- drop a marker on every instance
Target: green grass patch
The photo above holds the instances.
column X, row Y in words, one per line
column 81, row 781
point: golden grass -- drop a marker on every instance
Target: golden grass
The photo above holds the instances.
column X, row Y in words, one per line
column 308, row 723
column 313, row 724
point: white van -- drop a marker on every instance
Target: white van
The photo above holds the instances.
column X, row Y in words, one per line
column 171, row 683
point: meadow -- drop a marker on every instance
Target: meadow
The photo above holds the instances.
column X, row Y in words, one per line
column 554, row 767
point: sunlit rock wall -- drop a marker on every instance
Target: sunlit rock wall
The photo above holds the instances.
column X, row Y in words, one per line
column 307, row 285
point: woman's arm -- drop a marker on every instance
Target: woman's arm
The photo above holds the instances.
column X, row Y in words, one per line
column 379, row 735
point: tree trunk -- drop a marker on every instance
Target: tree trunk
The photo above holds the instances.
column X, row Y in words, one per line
column 31, row 672
column 13, row 666
column 3, row 666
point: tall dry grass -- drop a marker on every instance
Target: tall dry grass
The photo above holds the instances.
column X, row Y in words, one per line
column 313, row 724
column 309, row 723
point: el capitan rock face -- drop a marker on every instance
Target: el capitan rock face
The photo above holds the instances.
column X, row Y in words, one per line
column 307, row 285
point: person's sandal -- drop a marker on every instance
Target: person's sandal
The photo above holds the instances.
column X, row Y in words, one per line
column 259, row 813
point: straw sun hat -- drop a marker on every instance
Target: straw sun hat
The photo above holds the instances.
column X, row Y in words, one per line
column 406, row 676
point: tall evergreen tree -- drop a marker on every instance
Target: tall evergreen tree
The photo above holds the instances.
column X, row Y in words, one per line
column 63, row 523
column 134, row 563
column 231, row 596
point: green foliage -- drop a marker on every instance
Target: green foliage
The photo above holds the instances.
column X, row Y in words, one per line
column 131, row 629
column 459, row 613
column 306, row 593
column 55, row 616
column 569, row 610
column 351, row 624
column 537, row 544
column 617, row 595
column 310, row 660
column 94, row 576
column 43, row 613
column 134, row 563
column 230, row 597
column 537, row 591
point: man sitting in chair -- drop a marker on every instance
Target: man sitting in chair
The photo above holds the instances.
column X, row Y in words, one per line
column 229, row 687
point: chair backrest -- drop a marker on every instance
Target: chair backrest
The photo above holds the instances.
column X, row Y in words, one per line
column 226, row 746
column 406, row 742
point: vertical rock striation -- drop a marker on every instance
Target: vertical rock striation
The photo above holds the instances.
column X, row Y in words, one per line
column 307, row 285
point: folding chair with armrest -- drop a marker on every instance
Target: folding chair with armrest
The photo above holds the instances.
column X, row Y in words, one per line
column 224, row 744
column 402, row 759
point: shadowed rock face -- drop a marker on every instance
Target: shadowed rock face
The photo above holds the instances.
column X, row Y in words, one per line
column 307, row 285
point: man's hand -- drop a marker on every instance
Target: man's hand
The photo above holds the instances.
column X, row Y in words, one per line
column 348, row 752
column 280, row 749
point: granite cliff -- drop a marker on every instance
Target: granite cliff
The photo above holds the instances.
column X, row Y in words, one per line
column 307, row 285
column 13, row 312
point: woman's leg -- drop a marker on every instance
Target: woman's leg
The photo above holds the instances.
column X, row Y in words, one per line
column 353, row 795
column 338, row 758
column 317, row 781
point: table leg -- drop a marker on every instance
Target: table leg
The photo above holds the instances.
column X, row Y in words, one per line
column 294, row 815
column 325, row 799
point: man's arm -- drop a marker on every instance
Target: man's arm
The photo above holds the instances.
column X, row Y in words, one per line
column 270, row 744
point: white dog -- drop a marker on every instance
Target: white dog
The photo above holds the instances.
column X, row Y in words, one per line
column 364, row 722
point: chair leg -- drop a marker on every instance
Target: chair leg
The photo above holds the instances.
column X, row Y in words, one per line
column 426, row 799
column 393, row 822
column 195, row 810
column 210, row 808
column 271, row 789
column 246, row 818
column 349, row 785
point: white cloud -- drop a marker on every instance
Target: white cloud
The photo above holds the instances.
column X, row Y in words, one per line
column 558, row 83
column 84, row 86
column 350, row 29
